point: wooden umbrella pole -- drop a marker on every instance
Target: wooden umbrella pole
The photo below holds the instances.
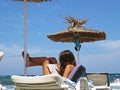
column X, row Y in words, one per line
column 25, row 39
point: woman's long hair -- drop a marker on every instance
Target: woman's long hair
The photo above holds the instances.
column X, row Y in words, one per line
column 66, row 57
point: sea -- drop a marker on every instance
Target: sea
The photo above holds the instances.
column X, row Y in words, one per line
column 5, row 80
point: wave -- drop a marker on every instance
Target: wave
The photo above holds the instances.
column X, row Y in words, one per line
column 5, row 80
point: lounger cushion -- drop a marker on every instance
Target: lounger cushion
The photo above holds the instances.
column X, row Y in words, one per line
column 77, row 72
column 45, row 79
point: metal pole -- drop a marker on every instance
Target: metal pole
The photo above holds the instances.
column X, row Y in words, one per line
column 78, row 57
column 25, row 38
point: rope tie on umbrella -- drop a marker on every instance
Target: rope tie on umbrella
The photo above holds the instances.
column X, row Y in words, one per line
column 77, row 42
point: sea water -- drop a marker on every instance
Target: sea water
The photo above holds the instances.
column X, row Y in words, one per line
column 5, row 80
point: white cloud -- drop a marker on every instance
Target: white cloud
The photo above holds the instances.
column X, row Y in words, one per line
column 14, row 50
column 94, row 62
column 114, row 45
column 106, row 57
column 14, row 61
column 10, row 49
column 39, row 33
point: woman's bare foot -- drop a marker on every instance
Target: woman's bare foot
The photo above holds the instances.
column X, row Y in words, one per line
column 28, row 62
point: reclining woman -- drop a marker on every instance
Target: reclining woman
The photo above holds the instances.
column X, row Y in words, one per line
column 66, row 59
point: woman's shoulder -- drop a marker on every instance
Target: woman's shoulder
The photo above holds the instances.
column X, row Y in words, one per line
column 68, row 70
column 69, row 66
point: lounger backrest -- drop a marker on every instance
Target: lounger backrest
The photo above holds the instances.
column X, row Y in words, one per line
column 98, row 79
column 77, row 72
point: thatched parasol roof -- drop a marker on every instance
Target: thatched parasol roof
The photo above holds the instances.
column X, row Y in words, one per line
column 85, row 35
column 76, row 28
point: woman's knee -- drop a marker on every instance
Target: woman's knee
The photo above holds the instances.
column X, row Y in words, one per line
column 52, row 60
column 46, row 62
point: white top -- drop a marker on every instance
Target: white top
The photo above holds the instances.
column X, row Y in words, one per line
column 53, row 68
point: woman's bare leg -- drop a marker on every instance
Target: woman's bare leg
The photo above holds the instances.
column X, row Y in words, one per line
column 33, row 61
column 43, row 61
column 45, row 67
column 50, row 60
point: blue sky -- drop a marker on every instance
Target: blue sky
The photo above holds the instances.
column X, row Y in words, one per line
column 46, row 18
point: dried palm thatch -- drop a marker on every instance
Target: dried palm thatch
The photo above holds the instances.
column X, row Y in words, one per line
column 75, row 23
column 85, row 35
column 76, row 28
column 33, row 0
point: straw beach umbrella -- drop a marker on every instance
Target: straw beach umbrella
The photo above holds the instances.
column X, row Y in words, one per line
column 77, row 33
column 25, row 28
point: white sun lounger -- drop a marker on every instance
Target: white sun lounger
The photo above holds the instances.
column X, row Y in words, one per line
column 48, row 82
column 2, row 87
column 99, row 81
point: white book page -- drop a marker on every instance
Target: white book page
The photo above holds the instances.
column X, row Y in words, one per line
column 53, row 68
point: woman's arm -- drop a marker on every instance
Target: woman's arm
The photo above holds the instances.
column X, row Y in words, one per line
column 68, row 70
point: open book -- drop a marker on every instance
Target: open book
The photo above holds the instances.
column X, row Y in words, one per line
column 53, row 68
